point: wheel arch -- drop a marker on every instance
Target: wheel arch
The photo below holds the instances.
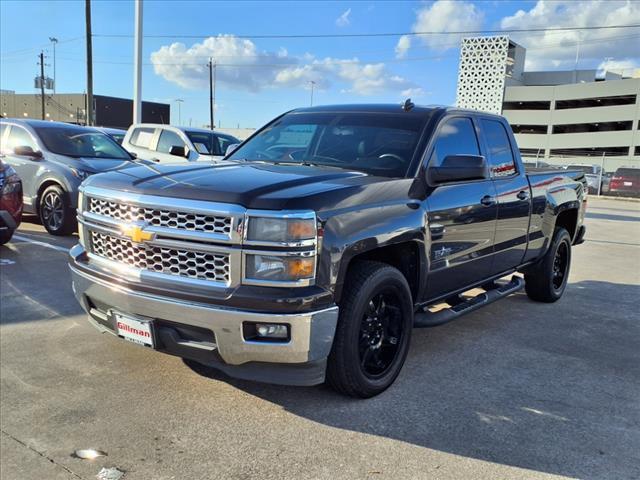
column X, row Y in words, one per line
column 407, row 256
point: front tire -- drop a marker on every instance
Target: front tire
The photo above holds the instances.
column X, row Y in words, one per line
column 373, row 332
column 55, row 212
column 547, row 280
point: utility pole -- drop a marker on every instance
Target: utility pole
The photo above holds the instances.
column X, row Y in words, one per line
column 54, row 41
column 87, row 11
column 312, row 85
column 212, row 92
column 42, row 83
column 179, row 102
column 137, row 64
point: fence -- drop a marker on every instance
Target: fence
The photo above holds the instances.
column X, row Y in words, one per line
column 613, row 175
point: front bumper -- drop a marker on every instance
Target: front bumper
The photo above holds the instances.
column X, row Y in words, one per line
column 181, row 329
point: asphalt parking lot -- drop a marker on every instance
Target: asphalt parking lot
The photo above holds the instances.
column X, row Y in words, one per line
column 515, row 390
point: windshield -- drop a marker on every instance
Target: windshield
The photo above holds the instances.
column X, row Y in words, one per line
column 118, row 137
column 582, row 168
column 379, row 144
column 75, row 142
column 207, row 143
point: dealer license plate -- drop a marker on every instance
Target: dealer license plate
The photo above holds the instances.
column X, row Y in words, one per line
column 134, row 330
column 628, row 184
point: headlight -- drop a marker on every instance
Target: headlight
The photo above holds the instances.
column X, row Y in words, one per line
column 281, row 230
column 279, row 268
column 81, row 174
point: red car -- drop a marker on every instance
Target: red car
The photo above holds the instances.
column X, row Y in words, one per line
column 10, row 202
column 625, row 182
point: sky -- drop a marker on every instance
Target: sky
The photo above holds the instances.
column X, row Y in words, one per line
column 259, row 78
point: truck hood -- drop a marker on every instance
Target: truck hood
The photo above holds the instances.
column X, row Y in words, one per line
column 255, row 185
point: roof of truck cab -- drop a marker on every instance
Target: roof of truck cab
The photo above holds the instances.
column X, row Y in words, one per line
column 416, row 110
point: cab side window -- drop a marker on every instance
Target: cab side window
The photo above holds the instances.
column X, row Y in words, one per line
column 167, row 140
column 141, row 137
column 500, row 154
column 455, row 137
column 19, row 137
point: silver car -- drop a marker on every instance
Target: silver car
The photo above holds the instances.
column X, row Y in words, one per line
column 52, row 159
column 169, row 144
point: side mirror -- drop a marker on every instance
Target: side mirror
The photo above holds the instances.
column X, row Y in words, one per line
column 179, row 151
column 457, row 168
column 133, row 155
column 26, row 151
column 231, row 148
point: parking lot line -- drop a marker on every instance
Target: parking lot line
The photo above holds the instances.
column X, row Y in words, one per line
column 24, row 239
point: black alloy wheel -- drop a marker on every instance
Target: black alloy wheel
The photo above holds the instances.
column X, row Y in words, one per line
column 55, row 212
column 381, row 332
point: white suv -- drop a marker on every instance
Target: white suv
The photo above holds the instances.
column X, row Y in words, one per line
column 169, row 144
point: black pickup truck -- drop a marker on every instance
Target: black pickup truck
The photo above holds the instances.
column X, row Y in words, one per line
column 322, row 240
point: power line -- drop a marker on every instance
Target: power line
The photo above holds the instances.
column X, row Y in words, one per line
column 337, row 61
column 383, row 34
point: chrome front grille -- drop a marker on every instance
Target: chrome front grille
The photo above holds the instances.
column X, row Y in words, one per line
column 172, row 261
column 158, row 217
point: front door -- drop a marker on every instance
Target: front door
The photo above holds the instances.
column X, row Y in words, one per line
column 461, row 216
column 26, row 167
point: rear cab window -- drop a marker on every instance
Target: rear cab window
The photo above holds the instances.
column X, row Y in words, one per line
column 142, row 137
column 501, row 159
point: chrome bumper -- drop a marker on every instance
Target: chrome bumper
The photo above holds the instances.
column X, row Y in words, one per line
column 311, row 333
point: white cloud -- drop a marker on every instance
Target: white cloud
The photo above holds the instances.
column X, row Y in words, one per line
column 444, row 16
column 413, row 92
column 625, row 66
column 362, row 78
column 343, row 20
column 558, row 48
column 244, row 67
column 403, row 45
column 187, row 67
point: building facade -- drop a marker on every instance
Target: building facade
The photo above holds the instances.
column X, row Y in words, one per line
column 560, row 117
column 111, row 112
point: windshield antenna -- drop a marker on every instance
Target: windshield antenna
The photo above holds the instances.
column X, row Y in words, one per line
column 407, row 105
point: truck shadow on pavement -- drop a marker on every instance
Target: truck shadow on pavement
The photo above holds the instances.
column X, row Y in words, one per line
column 551, row 388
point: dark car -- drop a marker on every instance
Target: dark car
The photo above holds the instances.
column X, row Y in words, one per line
column 312, row 250
column 10, row 202
column 52, row 159
column 625, row 182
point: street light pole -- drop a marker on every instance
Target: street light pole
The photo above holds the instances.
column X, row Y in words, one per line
column 137, row 64
column 54, row 41
column 312, row 85
column 179, row 101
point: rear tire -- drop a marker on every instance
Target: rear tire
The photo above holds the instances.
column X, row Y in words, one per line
column 5, row 236
column 547, row 280
column 55, row 212
column 373, row 332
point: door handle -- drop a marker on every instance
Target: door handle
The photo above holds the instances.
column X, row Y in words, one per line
column 157, row 160
column 523, row 195
column 488, row 201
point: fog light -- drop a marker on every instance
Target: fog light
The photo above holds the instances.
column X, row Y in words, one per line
column 272, row 330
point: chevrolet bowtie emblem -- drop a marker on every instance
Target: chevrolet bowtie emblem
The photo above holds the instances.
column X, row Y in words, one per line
column 137, row 234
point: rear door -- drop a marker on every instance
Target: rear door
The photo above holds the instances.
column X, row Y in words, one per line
column 513, row 195
column 461, row 216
